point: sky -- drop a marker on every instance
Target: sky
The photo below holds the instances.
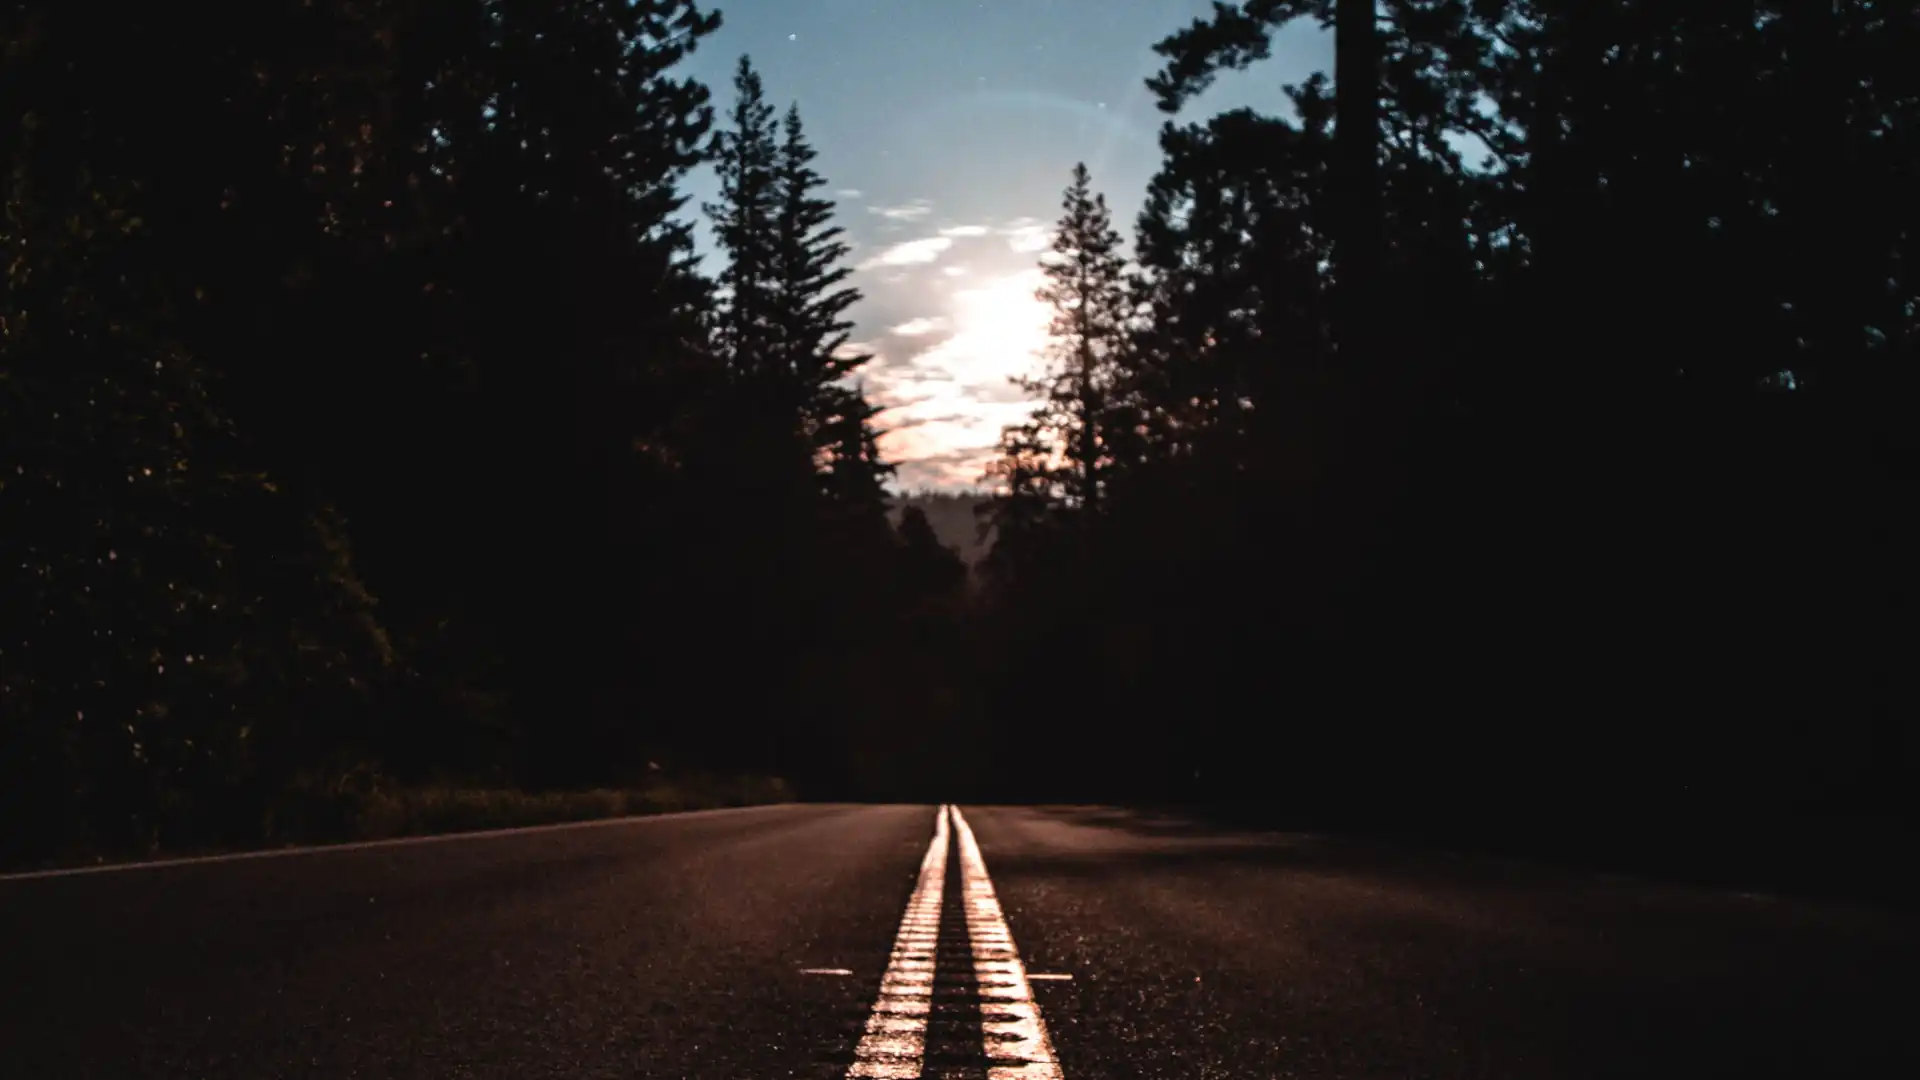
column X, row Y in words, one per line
column 947, row 129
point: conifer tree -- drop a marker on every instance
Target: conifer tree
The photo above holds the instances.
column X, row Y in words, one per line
column 746, row 222
column 1087, row 286
column 811, row 301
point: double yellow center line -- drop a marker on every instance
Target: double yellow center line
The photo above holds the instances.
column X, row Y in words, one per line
column 1013, row 1035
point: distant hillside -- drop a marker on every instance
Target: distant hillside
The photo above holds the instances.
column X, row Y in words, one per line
column 953, row 520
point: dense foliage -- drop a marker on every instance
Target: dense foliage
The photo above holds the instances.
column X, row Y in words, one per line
column 1518, row 422
column 1529, row 432
column 366, row 421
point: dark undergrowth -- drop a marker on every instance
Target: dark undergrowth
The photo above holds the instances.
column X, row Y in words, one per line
column 329, row 816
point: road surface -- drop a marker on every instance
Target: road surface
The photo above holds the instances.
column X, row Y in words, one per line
column 1010, row 944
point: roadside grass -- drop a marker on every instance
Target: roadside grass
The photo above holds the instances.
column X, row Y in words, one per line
column 423, row 812
column 316, row 815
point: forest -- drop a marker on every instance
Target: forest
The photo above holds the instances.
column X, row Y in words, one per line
column 1516, row 430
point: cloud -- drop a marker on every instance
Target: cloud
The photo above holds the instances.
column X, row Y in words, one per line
column 923, row 421
column 965, row 230
column 1028, row 236
column 1004, row 393
column 850, row 193
column 855, row 349
column 968, row 459
column 961, row 454
column 920, row 327
column 954, row 271
column 910, row 371
column 945, row 383
column 910, row 253
column 912, row 210
column 1000, row 331
column 953, row 470
column 937, row 441
column 888, row 398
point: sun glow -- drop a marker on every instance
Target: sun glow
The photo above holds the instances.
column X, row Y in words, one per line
column 962, row 391
column 1002, row 329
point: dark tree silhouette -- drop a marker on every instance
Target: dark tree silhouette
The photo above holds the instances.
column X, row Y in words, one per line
column 1058, row 462
column 1531, row 436
column 932, row 568
column 746, row 159
column 182, row 638
column 800, row 549
column 1511, row 438
column 811, row 301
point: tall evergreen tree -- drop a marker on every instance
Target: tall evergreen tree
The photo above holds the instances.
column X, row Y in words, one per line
column 577, row 312
column 746, row 159
column 1088, row 288
column 802, row 540
column 811, row 301
column 1050, row 569
column 856, row 470
column 1231, row 250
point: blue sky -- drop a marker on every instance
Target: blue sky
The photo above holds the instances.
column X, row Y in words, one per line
column 947, row 129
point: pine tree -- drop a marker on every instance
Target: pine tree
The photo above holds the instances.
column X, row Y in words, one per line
column 800, row 537
column 1054, row 471
column 811, row 302
column 1089, row 291
column 746, row 157
column 577, row 316
column 855, row 470
column 1230, row 254
column 932, row 569
column 1023, row 508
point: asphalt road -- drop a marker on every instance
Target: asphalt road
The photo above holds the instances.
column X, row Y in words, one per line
column 752, row 944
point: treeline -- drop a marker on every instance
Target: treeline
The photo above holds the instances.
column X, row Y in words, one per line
column 1521, row 425
column 366, row 422
column 1521, row 429
column 955, row 519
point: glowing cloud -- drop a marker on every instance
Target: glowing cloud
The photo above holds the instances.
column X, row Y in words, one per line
column 910, row 253
column 965, row 231
column 911, row 211
column 948, row 430
column 1028, row 239
column 1001, row 329
column 853, row 349
column 920, row 327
